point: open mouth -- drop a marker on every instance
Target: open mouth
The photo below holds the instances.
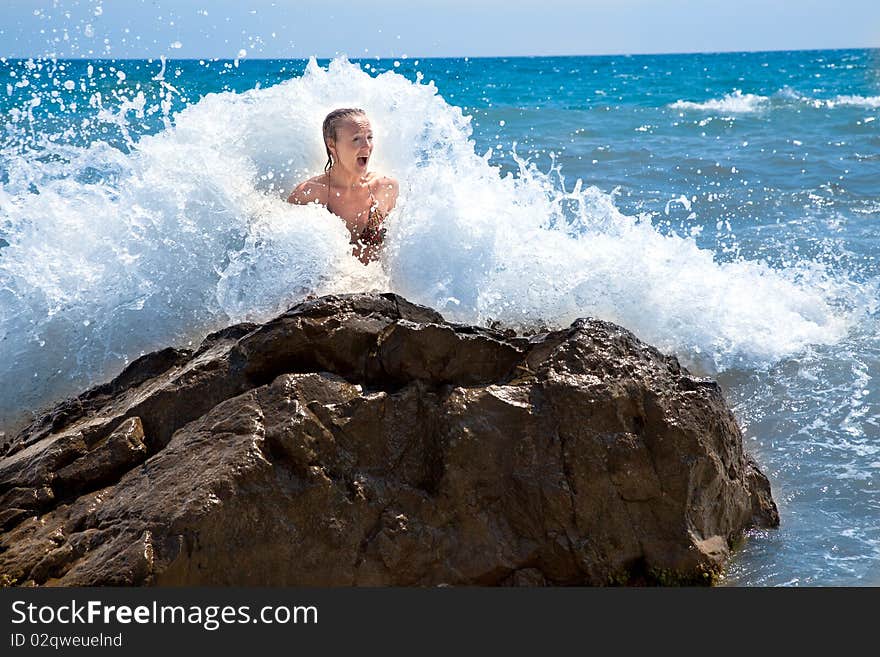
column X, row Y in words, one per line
column 362, row 161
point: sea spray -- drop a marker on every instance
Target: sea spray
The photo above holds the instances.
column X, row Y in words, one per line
column 118, row 250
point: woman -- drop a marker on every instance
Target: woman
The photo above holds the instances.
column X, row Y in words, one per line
column 347, row 188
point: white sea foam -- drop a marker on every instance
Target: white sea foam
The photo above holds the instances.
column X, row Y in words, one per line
column 190, row 231
column 870, row 102
column 735, row 102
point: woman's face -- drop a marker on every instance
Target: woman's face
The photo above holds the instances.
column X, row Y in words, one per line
column 353, row 144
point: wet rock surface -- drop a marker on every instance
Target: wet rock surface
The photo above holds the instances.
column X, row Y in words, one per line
column 363, row 440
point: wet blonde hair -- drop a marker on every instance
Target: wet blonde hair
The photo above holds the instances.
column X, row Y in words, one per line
column 331, row 122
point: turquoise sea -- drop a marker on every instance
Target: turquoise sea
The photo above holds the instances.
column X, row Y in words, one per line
column 724, row 207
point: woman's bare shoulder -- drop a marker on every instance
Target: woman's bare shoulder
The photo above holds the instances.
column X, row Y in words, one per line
column 386, row 181
column 386, row 185
column 386, row 190
column 309, row 191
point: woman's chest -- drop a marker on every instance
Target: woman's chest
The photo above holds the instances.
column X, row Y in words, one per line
column 353, row 209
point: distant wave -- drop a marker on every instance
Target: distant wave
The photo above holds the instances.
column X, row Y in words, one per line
column 736, row 102
column 870, row 102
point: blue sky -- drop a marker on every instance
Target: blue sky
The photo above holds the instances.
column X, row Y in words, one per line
column 393, row 28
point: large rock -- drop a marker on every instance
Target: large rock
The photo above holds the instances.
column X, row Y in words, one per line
column 363, row 440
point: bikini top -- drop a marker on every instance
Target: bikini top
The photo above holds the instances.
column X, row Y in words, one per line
column 373, row 234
